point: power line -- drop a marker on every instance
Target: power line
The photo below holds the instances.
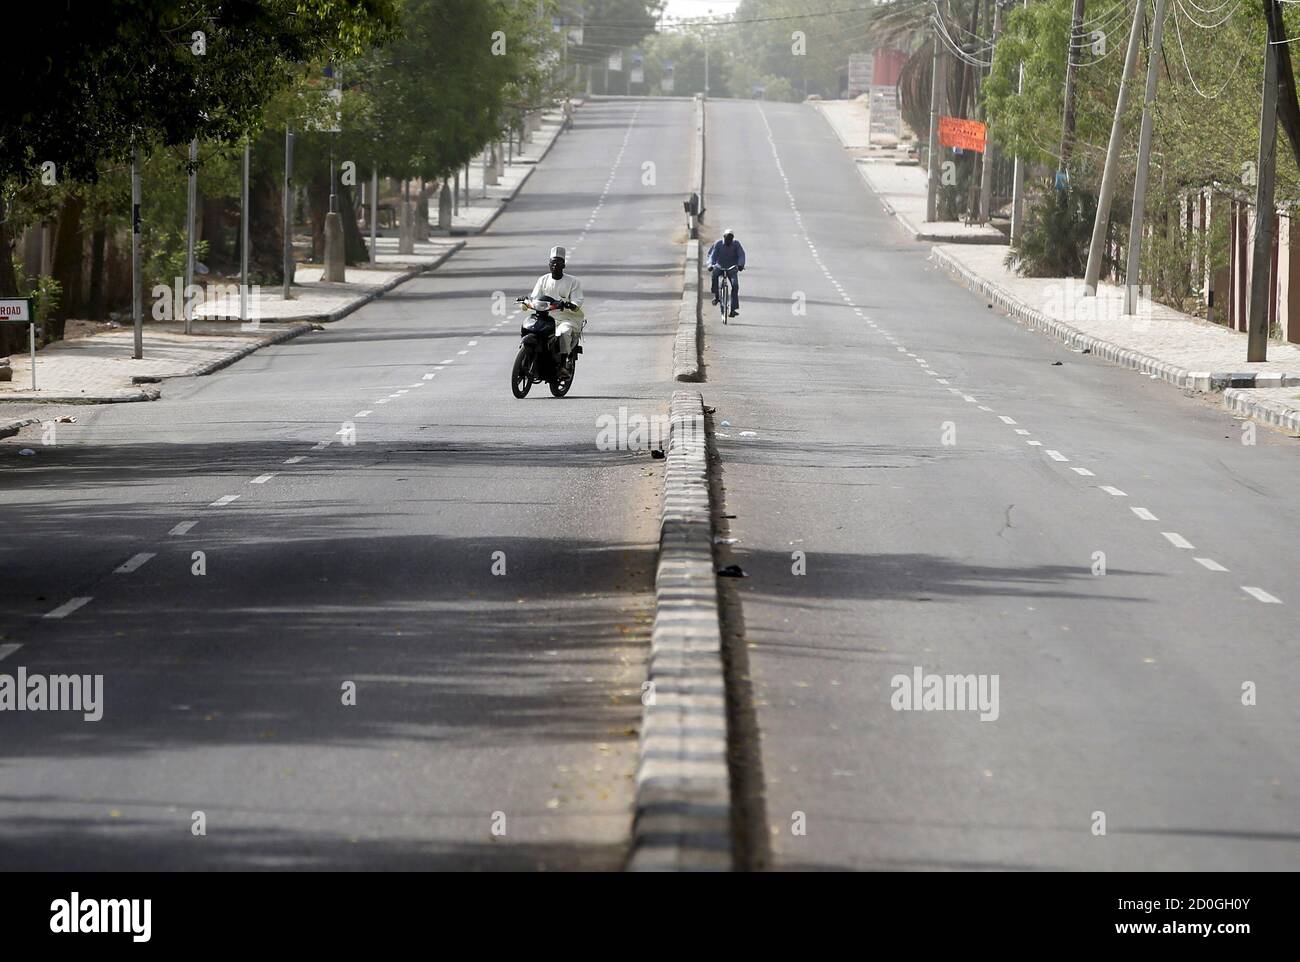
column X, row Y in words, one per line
column 1210, row 26
column 1178, row 32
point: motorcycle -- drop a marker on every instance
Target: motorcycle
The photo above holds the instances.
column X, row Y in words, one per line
column 535, row 361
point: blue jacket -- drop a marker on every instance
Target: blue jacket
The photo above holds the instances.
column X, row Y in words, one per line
column 723, row 256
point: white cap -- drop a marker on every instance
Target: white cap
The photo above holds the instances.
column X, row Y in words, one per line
column 728, row 231
column 558, row 252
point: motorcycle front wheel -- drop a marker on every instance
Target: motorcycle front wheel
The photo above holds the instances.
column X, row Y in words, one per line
column 520, row 382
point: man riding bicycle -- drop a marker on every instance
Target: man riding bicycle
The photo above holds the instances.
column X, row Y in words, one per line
column 723, row 255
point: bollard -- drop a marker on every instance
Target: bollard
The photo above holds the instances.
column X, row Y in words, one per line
column 444, row 207
column 335, row 263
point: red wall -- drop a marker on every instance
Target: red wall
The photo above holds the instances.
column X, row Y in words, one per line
column 888, row 65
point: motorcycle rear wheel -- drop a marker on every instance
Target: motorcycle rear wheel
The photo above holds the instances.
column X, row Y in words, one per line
column 520, row 382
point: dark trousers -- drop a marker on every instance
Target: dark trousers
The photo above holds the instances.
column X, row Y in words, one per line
column 735, row 287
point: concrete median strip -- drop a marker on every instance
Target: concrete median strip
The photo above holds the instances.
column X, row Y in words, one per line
column 683, row 794
column 687, row 349
column 686, row 346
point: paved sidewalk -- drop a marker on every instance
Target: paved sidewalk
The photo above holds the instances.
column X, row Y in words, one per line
column 316, row 300
column 485, row 204
column 100, row 369
column 899, row 182
column 901, row 189
column 851, row 121
column 1158, row 341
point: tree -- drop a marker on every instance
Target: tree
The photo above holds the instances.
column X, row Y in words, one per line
column 111, row 75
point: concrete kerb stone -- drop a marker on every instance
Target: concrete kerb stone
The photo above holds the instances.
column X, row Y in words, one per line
column 686, row 346
column 687, row 349
column 1207, row 381
column 1243, row 402
column 124, row 397
column 11, row 427
column 226, row 360
column 308, row 322
column 683, row 794
column 532, row 165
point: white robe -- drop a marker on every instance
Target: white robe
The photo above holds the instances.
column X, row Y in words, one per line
column 568, row 324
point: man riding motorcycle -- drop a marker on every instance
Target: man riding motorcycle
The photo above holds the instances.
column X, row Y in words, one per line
column 723, row 255
column 567, row 290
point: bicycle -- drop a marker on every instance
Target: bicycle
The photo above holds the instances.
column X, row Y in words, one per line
column 724, row 290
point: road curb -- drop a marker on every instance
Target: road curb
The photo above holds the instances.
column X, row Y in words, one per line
column 11, row 427
column 686, row 346
column 384, row 288
column 532, row 166
column 697, row 172
column 1208, row 381
column 1241, row 401
column 143, row 394
column 919, row 233
column 683, row 793
column 230, row 358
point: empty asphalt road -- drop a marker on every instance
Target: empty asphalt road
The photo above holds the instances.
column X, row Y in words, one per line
column 919, row 483
column 474, row 566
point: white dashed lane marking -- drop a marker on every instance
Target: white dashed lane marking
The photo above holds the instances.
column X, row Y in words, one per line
column 1209, row 563
column 1006, row 420
column 363, row 414
column 1176, row 539
column 262, row 479
column 134, row 562
column 1114, row 492
column 224, row 500
column 1084, row 472
column 1056, row 455
column 68, row 607
column 1259, row 594
column 429, row 377
column 183, row 528
column 297, row 459
column 1144, row 514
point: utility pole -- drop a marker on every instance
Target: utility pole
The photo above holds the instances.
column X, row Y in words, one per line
column 243, row 237
column 1018, row 177
column 288, row 213
column 191, row 202
column 936, row 96
column 1092, row 275
column 137, row 308
column 1137, row 222
column 986, row 166
column 1265, row 212
column 1067, row 121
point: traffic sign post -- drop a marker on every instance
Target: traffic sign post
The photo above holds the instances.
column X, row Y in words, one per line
column 18, row 310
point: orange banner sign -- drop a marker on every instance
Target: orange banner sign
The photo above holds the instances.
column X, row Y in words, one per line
column 966, row 134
